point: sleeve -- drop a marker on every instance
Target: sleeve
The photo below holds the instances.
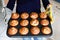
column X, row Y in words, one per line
column 45, row 3
column 11, row 4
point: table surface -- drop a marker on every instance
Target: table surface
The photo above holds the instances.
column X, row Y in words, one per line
column 55, row 25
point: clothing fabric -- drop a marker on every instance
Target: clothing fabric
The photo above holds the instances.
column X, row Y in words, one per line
column 27, row 5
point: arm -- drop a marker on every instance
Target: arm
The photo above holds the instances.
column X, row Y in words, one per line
column 10, row 4
column 45, row 3
column 5, row 2
column 48, row 8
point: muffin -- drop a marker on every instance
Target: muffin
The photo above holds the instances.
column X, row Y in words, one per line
column 15, row 16
column 34, row 22
column 12, row 31
column 43, row 15
column 44, row 22
column 35, row 30
column 24, row 22
column 23, row 31
column 24, row 15
column 46, row 30
column 34, row 15
column 13, row 23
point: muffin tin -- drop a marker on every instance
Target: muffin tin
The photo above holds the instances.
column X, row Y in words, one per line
column 29, row 26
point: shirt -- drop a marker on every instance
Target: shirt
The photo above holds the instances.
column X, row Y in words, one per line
column 27, row 5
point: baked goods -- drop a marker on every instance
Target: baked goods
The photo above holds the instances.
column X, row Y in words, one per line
column 46, row 30
column 12, row 31
column 34, row 22
column 35, row 30
column 43, row 15
column 44, row 22
column 13, row 23
column 23, row 31
column 34, row 15
column 15, row 16
column 24, row 15
column 24, row 22
column 29, row 24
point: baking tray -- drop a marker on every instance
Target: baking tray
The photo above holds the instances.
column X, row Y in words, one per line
column 29, row 26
